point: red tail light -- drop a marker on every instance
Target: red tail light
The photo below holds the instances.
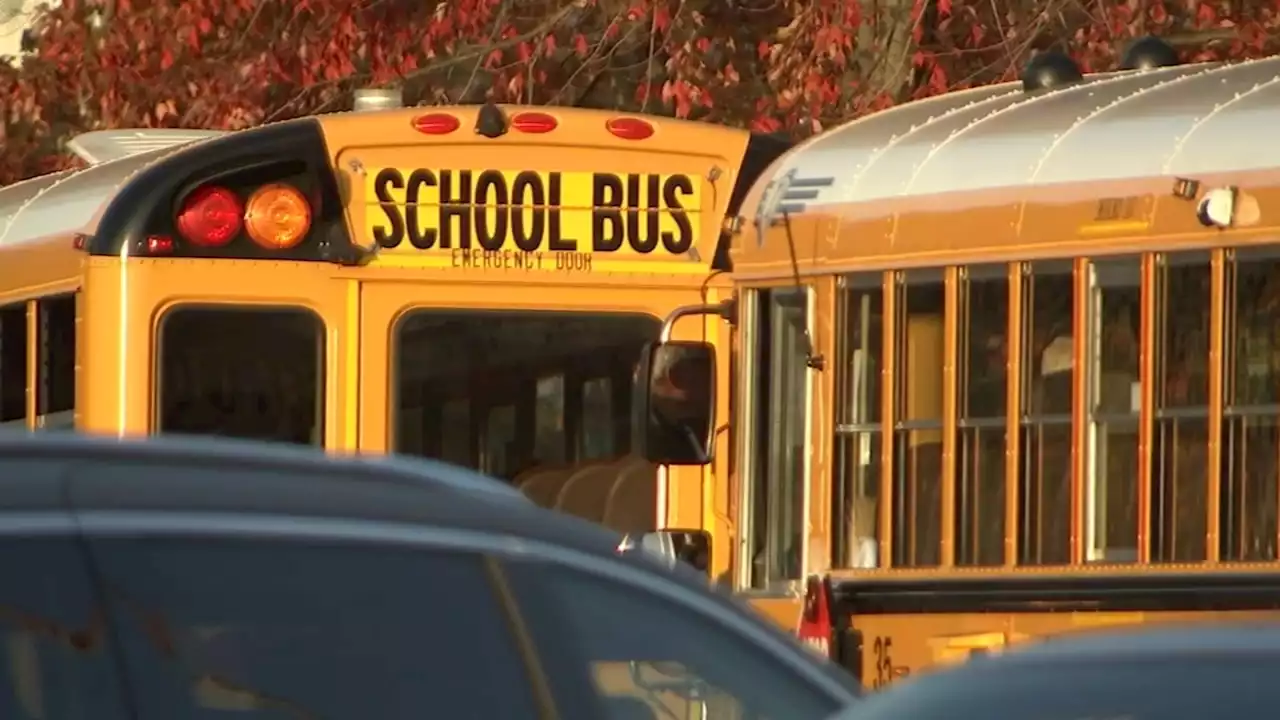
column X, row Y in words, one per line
column 630, row 128
column 211, row 217
column 814, row 630
column 534, row 122
column 436, row 123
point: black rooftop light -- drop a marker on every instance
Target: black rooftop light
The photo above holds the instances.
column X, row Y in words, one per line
column 1049, row 70
column 1147, row 53
column 491, row 123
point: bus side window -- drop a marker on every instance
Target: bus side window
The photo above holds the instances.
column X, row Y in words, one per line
column 499, row 453
column 856, row 484
column 455, row 432
column 596, row 433
column 1047, row 378
column 982, row 386
column 549, row 426
column 56, row 371
column 918, row 396
column 13, row 365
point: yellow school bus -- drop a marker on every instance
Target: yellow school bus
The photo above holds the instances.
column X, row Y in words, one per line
column 1009, row 364
column 465, row 283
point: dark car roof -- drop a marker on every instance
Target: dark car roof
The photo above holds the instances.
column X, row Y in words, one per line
column 1083, row 666
column 235, row 476
column 1150, row 640
column 251, row 477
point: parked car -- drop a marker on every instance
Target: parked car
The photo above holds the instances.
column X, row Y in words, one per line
column 1156, row 672
column 198, row 578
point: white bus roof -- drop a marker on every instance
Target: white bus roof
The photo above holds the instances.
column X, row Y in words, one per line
column 66, row 202
column 1180, row 121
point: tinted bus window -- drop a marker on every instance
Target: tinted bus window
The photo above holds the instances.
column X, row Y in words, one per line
column 514, row 394
column 13, row 364
column 242, row 372
column 283, row 630
column 56, row 371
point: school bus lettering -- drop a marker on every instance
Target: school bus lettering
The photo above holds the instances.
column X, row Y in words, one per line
column 486, row 219
column 469, row 203
column 611, row 226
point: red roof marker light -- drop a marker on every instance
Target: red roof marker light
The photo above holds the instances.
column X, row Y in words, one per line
column 630, row 128
column 436, row 124
column 534, row 122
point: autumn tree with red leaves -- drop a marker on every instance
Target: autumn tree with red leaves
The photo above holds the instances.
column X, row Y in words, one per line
column 773, row 65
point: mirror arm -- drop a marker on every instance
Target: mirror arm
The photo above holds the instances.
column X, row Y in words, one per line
column 725, row 310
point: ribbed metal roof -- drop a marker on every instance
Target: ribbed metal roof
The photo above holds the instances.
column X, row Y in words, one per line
column 1183, row 121
column 101, row 146
column 67, row 202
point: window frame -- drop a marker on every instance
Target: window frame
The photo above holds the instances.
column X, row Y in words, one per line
column 1105, row 275
column 750, row 456
column 859, row 427
column 39, row 329
column 19, row 312
column 38, row 357
column 970, row 424
column 324, row 362
column 1168, row 418
column 906, row 550
column 520, row 389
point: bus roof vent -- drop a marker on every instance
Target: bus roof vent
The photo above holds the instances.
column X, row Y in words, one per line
column 366, row 99
column 101, row 146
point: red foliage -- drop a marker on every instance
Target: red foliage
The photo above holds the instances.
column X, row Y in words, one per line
column 798, row 65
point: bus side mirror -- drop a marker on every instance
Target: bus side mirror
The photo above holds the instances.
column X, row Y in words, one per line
column 673, row 409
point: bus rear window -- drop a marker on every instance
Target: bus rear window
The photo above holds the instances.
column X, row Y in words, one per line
column 255, row 373
column 511, row 393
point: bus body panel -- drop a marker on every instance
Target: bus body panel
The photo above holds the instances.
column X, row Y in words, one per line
column 1096, row 264
column 194, row 339
column 575, row 199
column 887, row 629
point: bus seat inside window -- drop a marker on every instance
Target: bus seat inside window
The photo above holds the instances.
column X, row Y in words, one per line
column 253, row 373
column 547, row 398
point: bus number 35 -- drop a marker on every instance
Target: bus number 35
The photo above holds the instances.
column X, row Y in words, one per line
column 884, row 670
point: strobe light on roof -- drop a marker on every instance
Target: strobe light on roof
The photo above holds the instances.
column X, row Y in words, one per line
column 1148, row 53
column 368, row 99
column 1228, row 207
column 1050, row 70
column 491, row 122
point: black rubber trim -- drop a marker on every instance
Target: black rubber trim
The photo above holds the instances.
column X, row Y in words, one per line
column 147, row 203
column 762, row 150
column 1229, row 590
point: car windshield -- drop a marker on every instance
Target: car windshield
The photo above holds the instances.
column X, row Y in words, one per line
column 1185, row 688
column 256, row 630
